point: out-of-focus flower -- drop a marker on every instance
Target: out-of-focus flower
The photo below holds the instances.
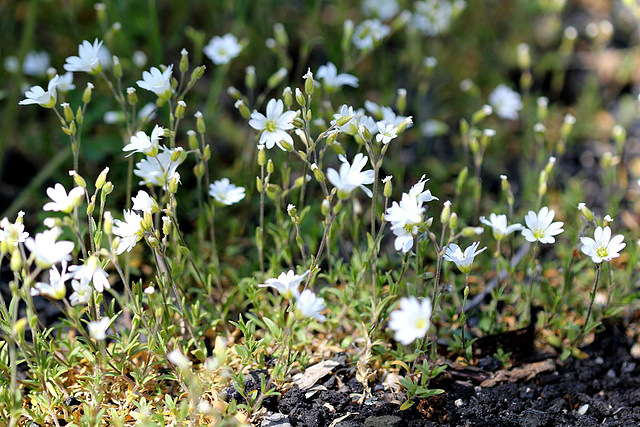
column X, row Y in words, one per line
column 44, row 98
column 498, row 224
column 156, row 81
column 46, row 250
column 81, row 292
column 463, row 260
column 369, row 34
column 226, row 193
column 358, row 118
column 36, row 63
column 386, row 133
column 286, row 283
column 223, row 49
column 351, row 176
column 383, row 9
column 178, row 359
column 63, row 202
column 411, row 321
column 274, row 125
column 540, row 226
column 92, row 271
column 65, row 83
column 309, row 305
column 331, row 80
column 12, row 233
column 98, row 330
column 433, row 17
column 506, row 102
column 88, row 59
column 602, row 247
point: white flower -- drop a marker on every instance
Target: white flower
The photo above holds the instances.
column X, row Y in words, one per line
column 144, row 202
column 46, row 250
column 286, row 283
column 358, row 118
column 602, row 247
column 36, row 63
column 383, row 9
column 13, row 233
column 37, row 95
column 405, row 218
column 156, row 81
column 351, row 176
column 98, row 330
column 129, row 230
column 463, row 260
column 386, row 132
column 63, row 202
column 65, row 83
column 309, row 305
column 88, row 59
column 178, row 359
column 158, row 170
column 81, row 292
column 540, row 227
column 331, row 80
column 498, row 223
column 369, row 33
column 223, row 49
column 92, row 271
column 411, row 320
column 142, row 143
column 386, row 114
column 56, row 288
column 418, row 192
column 433, row 17
column 506, row 102
column 226, row 193
column 274, row 125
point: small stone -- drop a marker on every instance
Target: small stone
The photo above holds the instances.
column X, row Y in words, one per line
column 384, row 421
column 583, row 409
column 599, row 360
column 635, row 351
column 459, row 403
column 275, row 420
column 628, row 367
column 534, row 418
column 611, row 373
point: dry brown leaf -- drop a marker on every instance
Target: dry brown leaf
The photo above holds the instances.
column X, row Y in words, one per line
column 523, row 373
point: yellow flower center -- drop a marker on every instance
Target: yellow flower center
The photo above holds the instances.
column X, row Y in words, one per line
column 602, row 252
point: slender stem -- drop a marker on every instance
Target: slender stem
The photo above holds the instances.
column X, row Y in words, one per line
column 593, row 297
column 261, row 243
column 529, row 307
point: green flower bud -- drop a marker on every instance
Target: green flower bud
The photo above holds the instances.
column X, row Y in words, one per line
column 200, row 126
column 101, row 13
column 317, row 173
column 68, row 113
column 117, row 67
column 174, row 181
column 365, row 133
column 166, row 225
column 270, row 167
column 344, row 120
column 86, row 95
column 72, row 128
column 180, row 108
column 197, row 73
column 388, row 187
column 347, row 32
column 619, row 135
column 549, row 167
column 132, row 96
column 524, row 56
column 16, row 260
column 453, row 221
column 472, row 231
column 184, row 61
column 243, row 109
column 259, row 185
column 77, row 179
column 543, row 109
column 287, row 94
column 250, row 77
column 176, row 154
column 445, row 215
column 107, row 224
column 582, row 207
column 207, row 152
column 300, row 97
column 280, row 34
column 291, row 210
column 79, row 115
column 308, row 82
column 19, row 327
column 462, row 178
column 325, row 207
column 277, row 78
column 567, row 126
column 234, row 93
column 401, row 101
column 90, row 208
column 102, row 178
column 193, row 139
column 286, row 145
column 481, row 114
column 108, row 188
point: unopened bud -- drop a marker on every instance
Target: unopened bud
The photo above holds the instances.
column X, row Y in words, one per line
column 445, row 215
column 91, row 207
column 543, row 110
column 364, row 132
column 102, row 178
column 180, row 109
column 68, row 113
column 567, row 125
column 166, row 225
column 401, row 101
column 582, row 207
column 175, row 156
column 462, row 178
column 242, row 108
column 453, row 221
column 77, row 179
column 200, row 126
column 481, row 114
column 107, row 224
column 300, row 97
column 277, row 78
column 250, row 77
column 117, row 67
column 317, row 173
column 16, row 260
column 132, row 96
column 270, row 167
column 280, row 34
column 287, row 95
column 108, row 188
column 549, row 167
column 193, row 139
column 308, row 82
column 325, row 207
column 291, row 210
column 184, row 61
column 86, row 95
column 388, row 187
column 174, row 182
column 524, row 56
column 259, row 184
column 197, row 73
column 234, row 93
column 472, row 231
column 619, row 135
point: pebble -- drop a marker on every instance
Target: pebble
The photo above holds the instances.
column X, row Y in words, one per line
column 383, row 421
column 276, row 420
column 583, row 409
column 459, row 403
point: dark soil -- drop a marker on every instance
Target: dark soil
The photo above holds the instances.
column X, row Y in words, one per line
column 603, row 389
